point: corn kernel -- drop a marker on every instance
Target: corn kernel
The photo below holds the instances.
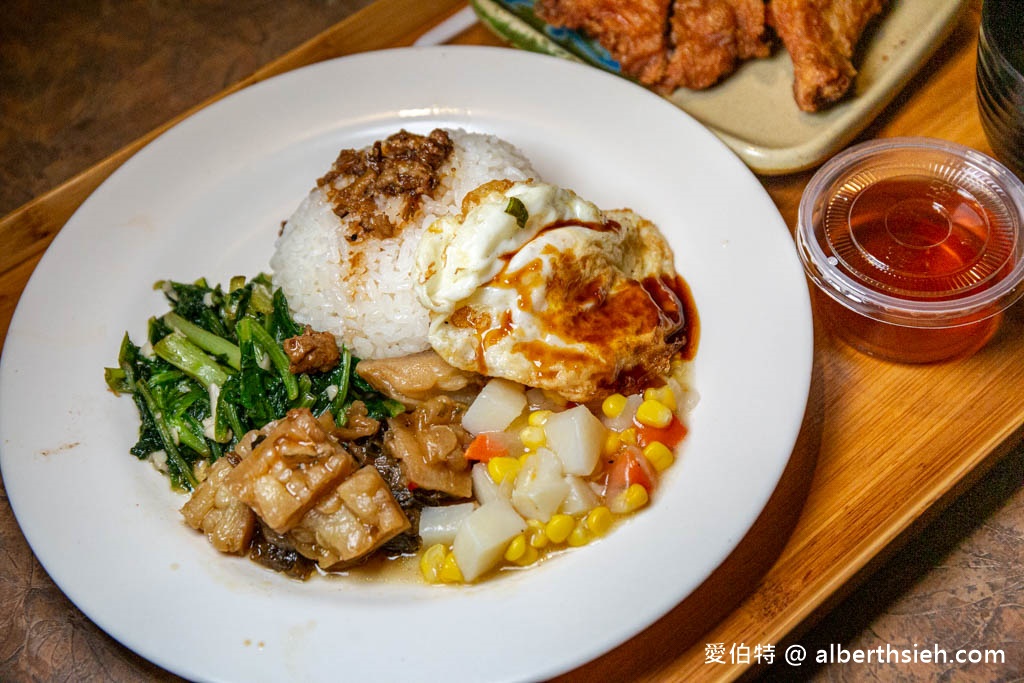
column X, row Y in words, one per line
column 663, row 394
column 502, row 468
column 529, row 556
column 538, row 418
column 536, row 533
column 654, row 413
column 633, row 498
column 516, row 547
column 559, row 527
column 450, row 572
column 532, row 437
column 580, row 535
column 599, row 520
column 612, row 441
column 613, row 405
column 628, row 436
column 659, row 455
column 431, row 561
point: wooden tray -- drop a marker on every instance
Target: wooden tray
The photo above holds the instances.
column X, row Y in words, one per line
column 884, row 447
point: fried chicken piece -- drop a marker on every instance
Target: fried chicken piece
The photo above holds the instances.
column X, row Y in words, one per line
column 710, row 38
column 820, row 36
column 633, row 31
column 752, row 39
column 703, row 37
column 667, row 44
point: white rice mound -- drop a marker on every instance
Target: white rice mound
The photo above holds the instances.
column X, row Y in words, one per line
column 368, row 301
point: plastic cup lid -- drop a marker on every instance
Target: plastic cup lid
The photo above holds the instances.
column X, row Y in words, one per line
column 915, row 231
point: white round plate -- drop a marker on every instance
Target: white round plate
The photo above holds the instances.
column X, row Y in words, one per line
column 207, row 199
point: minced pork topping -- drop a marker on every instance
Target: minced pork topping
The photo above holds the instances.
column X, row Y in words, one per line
column 377, row 189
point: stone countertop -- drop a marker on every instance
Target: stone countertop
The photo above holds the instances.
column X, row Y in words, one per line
column 80, row 80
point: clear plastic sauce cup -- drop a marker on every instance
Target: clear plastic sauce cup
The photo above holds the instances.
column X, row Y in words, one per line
column 915, row 246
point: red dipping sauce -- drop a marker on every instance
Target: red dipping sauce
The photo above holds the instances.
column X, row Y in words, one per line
column 916, row 247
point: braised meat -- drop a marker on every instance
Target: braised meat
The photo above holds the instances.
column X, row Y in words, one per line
column 357, row 424
column 214, row 510
column 290, row 493
column 304, row 489
column 312, row 351
column 430, row 444
column 348, row 524
column 414, row 378
column 296, row 462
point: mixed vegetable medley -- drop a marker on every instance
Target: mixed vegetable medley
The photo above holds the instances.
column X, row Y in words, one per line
column 301, row 457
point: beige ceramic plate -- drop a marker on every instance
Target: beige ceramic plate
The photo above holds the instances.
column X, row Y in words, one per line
column 753, row 110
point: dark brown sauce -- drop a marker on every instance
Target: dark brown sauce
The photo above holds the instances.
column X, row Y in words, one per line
column 658, row 315
column 607, row 226
column 683, row 309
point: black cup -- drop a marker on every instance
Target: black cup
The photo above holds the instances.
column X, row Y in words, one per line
column 1000, row 76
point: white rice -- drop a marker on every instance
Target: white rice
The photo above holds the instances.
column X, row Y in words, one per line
column 368, row 302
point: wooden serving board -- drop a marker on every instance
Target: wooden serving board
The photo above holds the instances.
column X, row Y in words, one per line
column 884, row 447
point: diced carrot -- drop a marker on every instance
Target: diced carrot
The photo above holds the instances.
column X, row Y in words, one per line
column 629, row 466
column 486, row 446
column 671, row 436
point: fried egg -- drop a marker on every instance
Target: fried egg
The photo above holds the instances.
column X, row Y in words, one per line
column 533, row 283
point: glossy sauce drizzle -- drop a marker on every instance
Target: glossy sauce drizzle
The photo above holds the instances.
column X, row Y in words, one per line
column 645, row 322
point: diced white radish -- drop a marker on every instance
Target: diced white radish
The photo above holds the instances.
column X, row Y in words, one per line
column 624, row 420
column 576, row 437
column 539, row 399
column 484, row 488
column 483, row 536
column 687, row 397
column 581, row 497
column 540, row 486
column 438, row 524
column 494, row 408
